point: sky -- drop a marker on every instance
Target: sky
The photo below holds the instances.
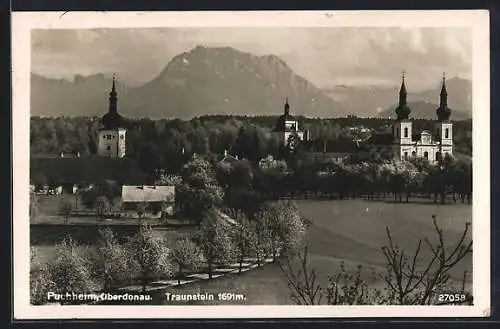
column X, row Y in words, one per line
column 327, row 57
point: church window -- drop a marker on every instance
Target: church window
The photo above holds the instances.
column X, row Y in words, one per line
column 406, row 155
column 121, row 136
column 406, row 132
column 397, row 132
column 446, row 132
column 438, row 156
column 413, row 154
column 108, row 148
column 426, row 155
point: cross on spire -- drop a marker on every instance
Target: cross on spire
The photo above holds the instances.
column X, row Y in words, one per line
column 287, row 106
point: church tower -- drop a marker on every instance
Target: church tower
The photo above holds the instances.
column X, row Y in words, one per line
column 402, row 129
column 112, row 134
column 443, row 125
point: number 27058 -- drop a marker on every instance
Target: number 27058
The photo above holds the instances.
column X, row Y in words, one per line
column 452, row 298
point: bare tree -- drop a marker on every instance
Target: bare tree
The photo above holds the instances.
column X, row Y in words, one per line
column 408, row 280
column 413, row 283
column 302, row 281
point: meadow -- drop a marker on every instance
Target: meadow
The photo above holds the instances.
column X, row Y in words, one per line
column 352, row 231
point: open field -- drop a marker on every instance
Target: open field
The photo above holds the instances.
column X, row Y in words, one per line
column 353, row 232
column 350, row 231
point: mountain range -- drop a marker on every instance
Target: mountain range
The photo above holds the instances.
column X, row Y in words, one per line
column 227, row 81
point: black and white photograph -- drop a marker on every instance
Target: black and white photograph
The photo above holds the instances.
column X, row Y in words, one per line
column 295, row 163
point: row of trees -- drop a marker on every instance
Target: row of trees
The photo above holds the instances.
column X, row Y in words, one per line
column 244, row 186
column 148, row 255
column 169, row 143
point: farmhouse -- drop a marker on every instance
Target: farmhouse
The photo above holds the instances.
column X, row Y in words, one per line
column 155, row 198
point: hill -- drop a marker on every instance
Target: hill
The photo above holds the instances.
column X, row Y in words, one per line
column 371, row 101
column 201, row 81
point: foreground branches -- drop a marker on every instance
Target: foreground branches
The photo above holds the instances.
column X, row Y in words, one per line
column 418, row 278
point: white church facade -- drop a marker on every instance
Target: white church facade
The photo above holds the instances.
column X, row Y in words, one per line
column 405, row 144
column 112, row 135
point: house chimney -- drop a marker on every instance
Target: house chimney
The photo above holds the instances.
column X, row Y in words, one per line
column 225, row 153
column 236, row 157
column 62, row 154
column 78, row 154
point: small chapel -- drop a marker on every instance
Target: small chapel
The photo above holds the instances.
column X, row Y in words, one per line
column 112, row 134
column 431, row 145
column 287, row 128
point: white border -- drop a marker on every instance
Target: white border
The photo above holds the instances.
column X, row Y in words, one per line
column 22, row 23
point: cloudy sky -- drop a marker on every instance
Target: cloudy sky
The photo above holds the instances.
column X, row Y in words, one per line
column 325, row 56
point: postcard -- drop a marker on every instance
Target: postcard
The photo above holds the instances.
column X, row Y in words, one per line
column 294, row 164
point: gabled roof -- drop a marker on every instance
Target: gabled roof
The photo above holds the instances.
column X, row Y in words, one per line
column 229, row 158
column 134, row 193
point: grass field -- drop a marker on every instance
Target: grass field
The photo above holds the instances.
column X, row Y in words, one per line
column 353, row 232
column 350, row 231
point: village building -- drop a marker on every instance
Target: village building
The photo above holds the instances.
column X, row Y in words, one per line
column 155, row 198
column 404, row 144
column 68, row 172
column 287, row 129
column 228, row 158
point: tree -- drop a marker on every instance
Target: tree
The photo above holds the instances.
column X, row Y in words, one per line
column 186, row 255
column 65, row 209
column 40, row 279
column 199, row 191
column 71, row 269
column 411, row 284
column 112, row 260
column 141, row 209
column 101, row 206
column 214, row 239
column 285, row 225
column 409, row 279
column 150, row 255
column 34, row 205
column 244, row 237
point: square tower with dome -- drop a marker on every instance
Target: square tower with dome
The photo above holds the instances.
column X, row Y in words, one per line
column 112, row 134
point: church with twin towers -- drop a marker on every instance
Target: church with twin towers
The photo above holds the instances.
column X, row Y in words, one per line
column 432, row 146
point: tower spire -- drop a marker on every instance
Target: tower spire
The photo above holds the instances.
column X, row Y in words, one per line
column 287, row 106
column 402, row 111
column 113, row 97
column 443, row 112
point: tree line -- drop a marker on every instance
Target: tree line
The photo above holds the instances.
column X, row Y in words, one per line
column 168, row 144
